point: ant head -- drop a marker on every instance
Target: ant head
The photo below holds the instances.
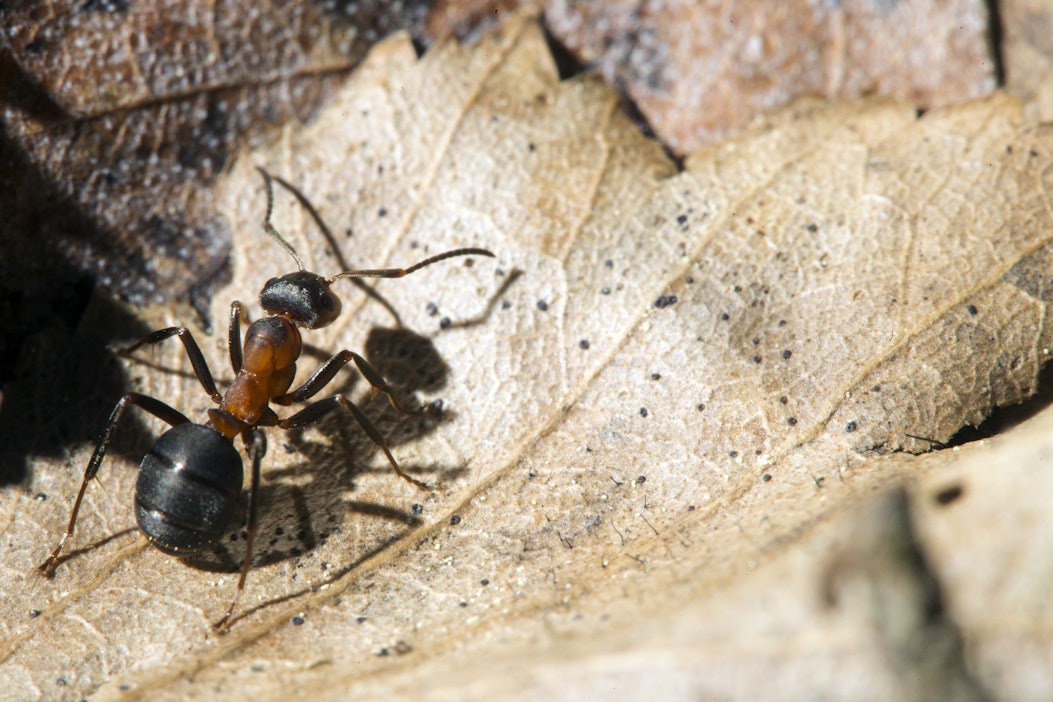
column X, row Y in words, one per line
column 304, row 297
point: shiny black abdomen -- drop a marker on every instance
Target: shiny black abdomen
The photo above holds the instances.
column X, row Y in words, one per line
column 188, row 489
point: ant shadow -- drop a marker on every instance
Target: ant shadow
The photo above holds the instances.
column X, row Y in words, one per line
column 64, row 384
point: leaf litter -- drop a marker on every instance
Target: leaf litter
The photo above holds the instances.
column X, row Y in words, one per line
column 899, row 260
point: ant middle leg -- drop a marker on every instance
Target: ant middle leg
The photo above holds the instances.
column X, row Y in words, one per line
column 151, row 405
column 197, row 359
column 314, row 412
column 328, row 371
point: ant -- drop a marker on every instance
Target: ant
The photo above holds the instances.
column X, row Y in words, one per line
column 190, row 481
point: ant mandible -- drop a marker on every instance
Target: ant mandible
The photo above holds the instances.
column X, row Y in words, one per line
column 190, row 480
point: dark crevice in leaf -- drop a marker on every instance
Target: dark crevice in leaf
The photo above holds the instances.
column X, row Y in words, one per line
column 996, row 38
column 567, row 64
column 1003, row 419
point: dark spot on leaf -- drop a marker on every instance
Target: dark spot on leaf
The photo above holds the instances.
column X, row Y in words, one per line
column 949, row 494
column 665, row 301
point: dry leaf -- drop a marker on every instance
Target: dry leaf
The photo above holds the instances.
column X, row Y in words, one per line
column 118, row 117
column 763, row 332
column 1028, row 53
column 702, row 71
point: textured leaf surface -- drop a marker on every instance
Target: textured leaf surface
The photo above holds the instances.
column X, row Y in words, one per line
column 663, row 403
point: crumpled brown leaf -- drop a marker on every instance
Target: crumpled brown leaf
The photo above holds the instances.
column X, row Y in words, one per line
column 1028, row 54
column 699, row 72
column 118, row 117
column 665, row 385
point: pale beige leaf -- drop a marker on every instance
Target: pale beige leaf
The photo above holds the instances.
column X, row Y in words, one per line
column 843, row 275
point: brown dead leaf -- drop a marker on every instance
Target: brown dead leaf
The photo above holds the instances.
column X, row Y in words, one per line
column 118, row 117
column 1028, row 41
column 764, row 330
column 702, row 71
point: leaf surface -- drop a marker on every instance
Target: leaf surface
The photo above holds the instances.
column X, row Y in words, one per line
column 653, row 400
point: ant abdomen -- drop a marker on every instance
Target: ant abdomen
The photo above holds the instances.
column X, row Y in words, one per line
column 188, row 489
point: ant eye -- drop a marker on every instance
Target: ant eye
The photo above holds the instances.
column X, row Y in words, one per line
column 303, row 297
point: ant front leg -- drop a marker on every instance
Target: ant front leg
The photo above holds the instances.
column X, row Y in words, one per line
column 197, row 359
column 234, row 336
column 256, row 445
column 314, row 412
column 151, row 405
column 328, row 371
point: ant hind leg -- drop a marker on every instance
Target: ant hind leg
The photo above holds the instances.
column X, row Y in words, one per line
column 151, row 405
column 256, row 445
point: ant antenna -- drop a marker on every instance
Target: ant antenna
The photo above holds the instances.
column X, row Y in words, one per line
column 267, row 227
column 400, row 272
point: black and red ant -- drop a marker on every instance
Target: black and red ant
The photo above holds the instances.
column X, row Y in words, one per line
column 189, row 482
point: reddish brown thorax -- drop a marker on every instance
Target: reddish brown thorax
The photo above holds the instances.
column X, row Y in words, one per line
column 272, row 345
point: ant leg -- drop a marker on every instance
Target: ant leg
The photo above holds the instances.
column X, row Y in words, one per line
column 257, row 448
column 329, row 370
column 314, row 412
column 197, row 359
column 151, row 405
column 234, row 336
